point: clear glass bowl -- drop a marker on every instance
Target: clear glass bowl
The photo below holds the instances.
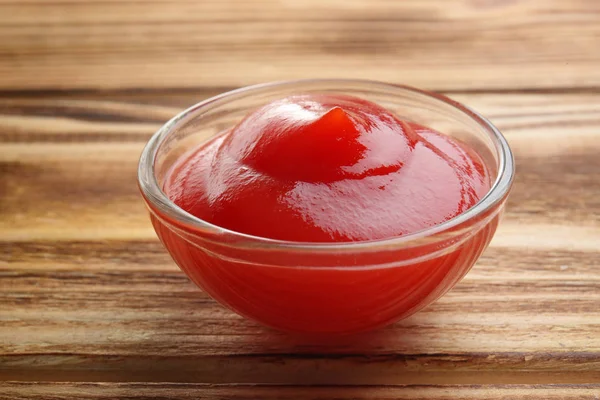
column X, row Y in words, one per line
column 325, row 288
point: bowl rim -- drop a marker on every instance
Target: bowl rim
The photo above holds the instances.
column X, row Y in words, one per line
column 158, row 200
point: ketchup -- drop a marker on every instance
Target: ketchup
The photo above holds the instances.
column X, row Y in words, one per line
column 327, row 168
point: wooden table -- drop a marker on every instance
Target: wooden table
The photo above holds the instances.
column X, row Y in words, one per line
column 91, row 306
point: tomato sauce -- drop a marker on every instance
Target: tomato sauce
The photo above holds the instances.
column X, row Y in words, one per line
column 323, row 168
column 327, row 169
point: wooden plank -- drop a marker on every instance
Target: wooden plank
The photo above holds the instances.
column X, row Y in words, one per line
column 561, row 292
column 555, row 139
column 64, row 391
column 89, row 294
column 433, row 44
column 119, row 311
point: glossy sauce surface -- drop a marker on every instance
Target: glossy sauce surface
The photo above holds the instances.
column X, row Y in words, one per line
column 327, row 168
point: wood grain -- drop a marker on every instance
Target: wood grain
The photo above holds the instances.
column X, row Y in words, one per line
column 94, row 297
column 63, row 197
column 91, row 306
column 83, row 391
column 475, row 44
column 129, row 314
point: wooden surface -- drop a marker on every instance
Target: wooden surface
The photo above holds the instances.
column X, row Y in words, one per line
column 91, row 306
column 101, row 391
column 474, row 44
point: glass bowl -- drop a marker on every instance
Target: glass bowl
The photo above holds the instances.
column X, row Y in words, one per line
column 325, row 288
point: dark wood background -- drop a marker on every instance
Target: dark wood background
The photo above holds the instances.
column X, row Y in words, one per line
column 91, row 306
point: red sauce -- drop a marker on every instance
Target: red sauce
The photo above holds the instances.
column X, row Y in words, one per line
column 325, row 168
